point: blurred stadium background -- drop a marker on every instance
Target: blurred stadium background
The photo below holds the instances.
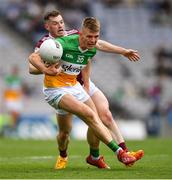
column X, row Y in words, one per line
column 139, row 93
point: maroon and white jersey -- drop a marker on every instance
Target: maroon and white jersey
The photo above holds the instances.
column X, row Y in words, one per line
column 47, row 36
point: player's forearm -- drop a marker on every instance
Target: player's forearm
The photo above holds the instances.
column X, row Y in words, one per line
column 33, row 70
column 108, row 47
column 36, row 61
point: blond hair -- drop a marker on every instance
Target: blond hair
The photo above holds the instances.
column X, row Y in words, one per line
column 91, row 23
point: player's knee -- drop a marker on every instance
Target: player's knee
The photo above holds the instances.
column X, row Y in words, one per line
column 92, row 117
column 87, row 114
column 106, row 117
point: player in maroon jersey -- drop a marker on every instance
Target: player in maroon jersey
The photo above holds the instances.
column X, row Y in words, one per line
column 55, row 25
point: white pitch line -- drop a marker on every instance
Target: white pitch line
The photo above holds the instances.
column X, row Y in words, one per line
column 71, row 157
column 35, row 157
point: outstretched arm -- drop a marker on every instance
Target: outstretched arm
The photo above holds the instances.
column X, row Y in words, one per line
column 105, row 46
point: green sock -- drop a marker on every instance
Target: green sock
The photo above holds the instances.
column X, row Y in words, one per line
column 94, row 152
column 112, row 145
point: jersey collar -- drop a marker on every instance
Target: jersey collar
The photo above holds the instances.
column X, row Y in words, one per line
column 65, row 34
column 82, row 51
column 51, row 36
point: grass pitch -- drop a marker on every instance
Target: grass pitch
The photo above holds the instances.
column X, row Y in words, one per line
column 29, row 159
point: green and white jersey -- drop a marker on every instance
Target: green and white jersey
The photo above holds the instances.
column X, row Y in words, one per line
column 73, row 60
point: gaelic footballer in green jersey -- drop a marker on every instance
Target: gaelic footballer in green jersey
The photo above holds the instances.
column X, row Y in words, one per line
column 73, row 60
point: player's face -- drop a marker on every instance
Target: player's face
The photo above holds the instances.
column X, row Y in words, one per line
column 56, row 26
column 88, row 39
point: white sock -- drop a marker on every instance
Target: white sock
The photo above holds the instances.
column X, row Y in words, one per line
column 95, row 158
column 117, row 151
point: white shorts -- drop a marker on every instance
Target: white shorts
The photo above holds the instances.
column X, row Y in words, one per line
column 54, row 95
column 93, row 88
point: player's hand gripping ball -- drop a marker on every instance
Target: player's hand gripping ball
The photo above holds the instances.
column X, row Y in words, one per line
column 51, row 51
